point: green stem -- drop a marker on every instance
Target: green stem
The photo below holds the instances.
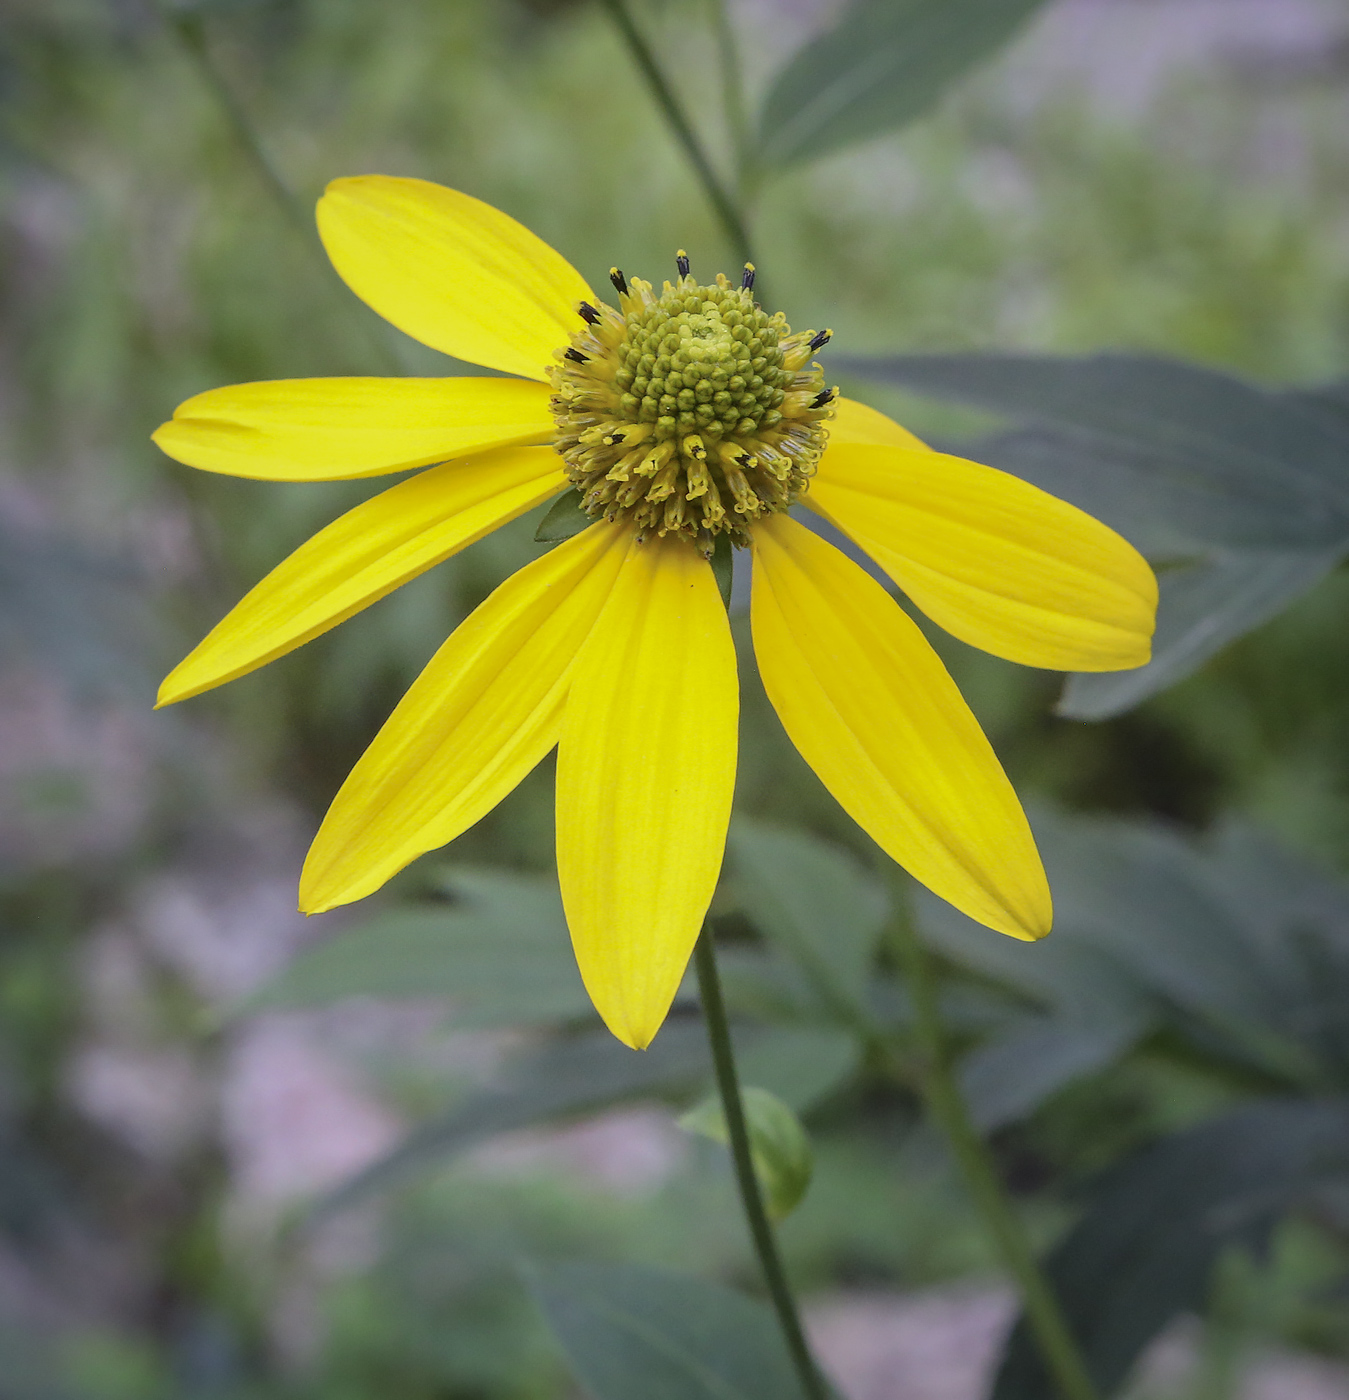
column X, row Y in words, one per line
column 732, row 92
column 1052, row 1335
column 646, row 61
column 192, row 36
column 761, row 1232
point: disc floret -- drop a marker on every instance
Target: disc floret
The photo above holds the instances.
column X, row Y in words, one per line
column 692, row 411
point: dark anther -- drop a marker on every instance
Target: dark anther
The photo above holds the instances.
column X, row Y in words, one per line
column 588, row 313
column 576, row 357
column 822, row 398
column 682, row 262
column 620, row 282
column 821, row 338
column 747, row 278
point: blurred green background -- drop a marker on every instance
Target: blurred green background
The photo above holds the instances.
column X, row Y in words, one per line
column 1162, row 175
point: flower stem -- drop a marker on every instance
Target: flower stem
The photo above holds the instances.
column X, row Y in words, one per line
column 732, row 92
column 1057, row 1345
column 190, row 34
column 670, row 106
column 765, row 1244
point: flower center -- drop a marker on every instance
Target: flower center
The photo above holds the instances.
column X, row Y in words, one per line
column 693, row 411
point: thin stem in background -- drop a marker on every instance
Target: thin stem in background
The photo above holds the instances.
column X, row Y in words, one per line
column 190, row 33
column 722, row 203
column 765, row 1244
column 1055, row 1341
column 732, row 93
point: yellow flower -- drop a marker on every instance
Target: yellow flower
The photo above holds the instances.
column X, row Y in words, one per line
column 681, row 416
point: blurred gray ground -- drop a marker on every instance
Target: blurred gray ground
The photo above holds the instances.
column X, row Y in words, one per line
column 944, row 1346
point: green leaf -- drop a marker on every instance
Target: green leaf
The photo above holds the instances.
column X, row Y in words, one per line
column 1193, row 455
column 1007, row 1079
column 1200, row 610
column 563, row 1077
column 70, row 609
column 500, row 952
column 1242, row 948
column 565, row 518
column 816, row 902
column 1144, row 1250
column 631, row 1333
column 779, row 1145
column 557, row 1079
column 884, row 63
column 723, row 566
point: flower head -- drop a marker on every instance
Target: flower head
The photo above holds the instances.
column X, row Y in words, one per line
column 680, row 417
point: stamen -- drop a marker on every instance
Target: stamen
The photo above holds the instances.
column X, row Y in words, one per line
column 821, row 339
column 690, row 411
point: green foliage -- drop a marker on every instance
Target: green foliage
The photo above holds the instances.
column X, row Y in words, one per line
column 498, row 950
column 564, row 519
column 814, row 901
column 884, row 63
column 1145, row 1249
column 641, row 1334
column 1237, row 491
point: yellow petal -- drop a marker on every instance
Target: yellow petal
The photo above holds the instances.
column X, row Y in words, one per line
column 365, row 554
column 872, row 710
column 856, row 422
column 994, row 560
column 452, row 272
column 481, row 715
column 335, row 429
column 645, row 773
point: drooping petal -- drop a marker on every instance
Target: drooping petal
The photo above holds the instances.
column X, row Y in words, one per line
column 858, row 422
column 994, row 560
column 481, row 715
column 452, row 271
column 873, row 711
column 365, row 554
column 645, row 773
column 337, row 429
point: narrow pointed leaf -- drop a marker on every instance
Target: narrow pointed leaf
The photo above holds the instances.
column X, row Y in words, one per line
column 884, row 63
column 499, row 952
column 1144, row 1251
column 1201, row 609
column 1209, row 457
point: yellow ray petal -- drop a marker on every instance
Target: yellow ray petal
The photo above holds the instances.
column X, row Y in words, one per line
column 481, row 715
column 335, row 429
column 857, row 422
column 994, row 560
column 452, row 271
column 645, row 773
column 365, row 554
column 872, row 710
